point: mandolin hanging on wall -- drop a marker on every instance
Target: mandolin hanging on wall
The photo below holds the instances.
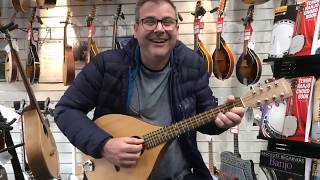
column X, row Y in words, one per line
column 248, row 68
column 199, row 46
column 222, row 57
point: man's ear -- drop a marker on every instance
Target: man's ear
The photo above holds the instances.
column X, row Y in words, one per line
column 135, row 29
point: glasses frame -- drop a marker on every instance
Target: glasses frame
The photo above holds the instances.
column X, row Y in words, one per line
column 158, row 20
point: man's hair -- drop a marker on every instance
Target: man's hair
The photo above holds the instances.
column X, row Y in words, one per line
column 140, row 3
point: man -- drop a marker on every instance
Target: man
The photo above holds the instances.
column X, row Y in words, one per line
column 155, row 77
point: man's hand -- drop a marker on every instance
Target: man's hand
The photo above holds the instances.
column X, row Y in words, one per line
column 230, row 118
column 123, row 152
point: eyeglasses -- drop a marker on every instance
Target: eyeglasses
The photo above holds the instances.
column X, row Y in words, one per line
column 150, row 23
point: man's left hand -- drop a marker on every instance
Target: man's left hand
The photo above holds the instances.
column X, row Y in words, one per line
column 232, row 117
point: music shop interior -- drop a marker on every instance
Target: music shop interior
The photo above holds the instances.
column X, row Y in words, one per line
column 264, row 52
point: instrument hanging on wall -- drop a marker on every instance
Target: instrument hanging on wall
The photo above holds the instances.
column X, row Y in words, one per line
column 11, row 69
column 92, row 49
column 222, row 57
column 255, row 1
column 212, row 168
column 42, row 4
column 199, row 46
column 68, row 64
column 41, row 150
column 33, row 62
column 282, row 30
column 298, row 39
column 249, row 67
column 115, row 25
column 21, row 5
column 233, row 165
column 156, row 137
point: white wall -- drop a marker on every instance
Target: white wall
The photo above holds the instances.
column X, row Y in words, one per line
column 249, row 145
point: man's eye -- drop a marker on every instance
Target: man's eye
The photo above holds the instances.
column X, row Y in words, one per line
column 167, row 22
column 149, row 21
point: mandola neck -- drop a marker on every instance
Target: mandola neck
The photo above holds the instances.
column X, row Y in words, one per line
column 165, row 134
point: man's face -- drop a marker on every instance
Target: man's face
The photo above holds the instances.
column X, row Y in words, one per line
column 158, row 43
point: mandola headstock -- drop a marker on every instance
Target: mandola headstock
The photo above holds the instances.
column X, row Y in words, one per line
column 275, row 91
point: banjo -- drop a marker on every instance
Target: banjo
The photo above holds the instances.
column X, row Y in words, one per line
column 298, row 39
column 282, row 30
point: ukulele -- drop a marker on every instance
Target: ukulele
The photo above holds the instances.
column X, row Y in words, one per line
column 92, row 49
column 248, row 67
column 11, row 70
column 68, row 64
column 41, row 150
column 156, row 137
column 298, row 39
column 233, row 165
column 199, row 46
column 42, row 4
column 222, row 57
column 33, row 62
column 21, row 5
column 115, row 25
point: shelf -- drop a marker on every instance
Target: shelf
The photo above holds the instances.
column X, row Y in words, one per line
column 295, row 66
column 310, row 150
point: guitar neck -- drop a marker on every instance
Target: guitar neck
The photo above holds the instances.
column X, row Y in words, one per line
column 210, row 156
column 212, row 168
column 236, row 145
column 64, row 39
column 32, row 98
column 170, row 132
column 114, row 33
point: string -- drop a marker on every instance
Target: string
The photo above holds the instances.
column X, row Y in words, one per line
column 165, row 133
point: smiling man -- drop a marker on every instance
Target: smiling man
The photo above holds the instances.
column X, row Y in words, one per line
column 154, row 77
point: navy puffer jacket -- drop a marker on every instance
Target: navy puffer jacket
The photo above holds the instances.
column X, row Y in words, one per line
column 106, row 85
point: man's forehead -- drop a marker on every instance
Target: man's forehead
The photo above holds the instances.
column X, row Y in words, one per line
column 155, row 5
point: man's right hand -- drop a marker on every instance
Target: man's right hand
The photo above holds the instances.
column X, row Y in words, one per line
column 123, row 151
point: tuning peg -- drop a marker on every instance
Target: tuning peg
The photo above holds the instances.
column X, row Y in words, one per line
column 122, row 16
column 261, row 89
column 266, row 100
column 274, row 97
column 214, row 10
column 253, row 91
column 258, row 103
column 269, row 86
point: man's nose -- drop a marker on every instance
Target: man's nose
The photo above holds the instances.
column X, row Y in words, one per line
column 159, row 26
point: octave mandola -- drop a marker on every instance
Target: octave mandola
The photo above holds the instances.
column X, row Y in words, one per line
column 41, row 150
column 156, row 137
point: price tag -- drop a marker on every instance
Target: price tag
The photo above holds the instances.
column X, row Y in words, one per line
column 248, row 32
column 92, row 30
column 196, row 25
column 220, row 24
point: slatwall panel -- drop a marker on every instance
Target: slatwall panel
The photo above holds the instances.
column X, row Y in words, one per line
column 249, row 145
